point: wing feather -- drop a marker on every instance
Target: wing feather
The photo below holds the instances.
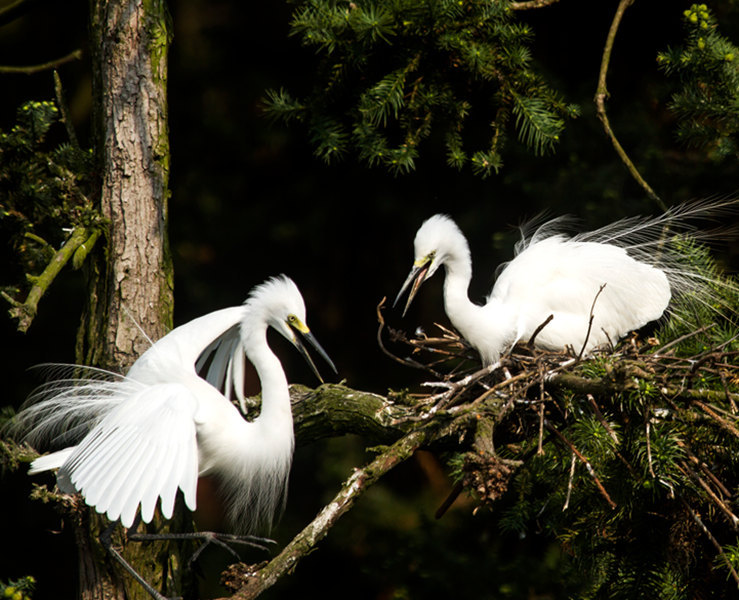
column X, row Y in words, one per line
column 143, row 450
column 222, row 364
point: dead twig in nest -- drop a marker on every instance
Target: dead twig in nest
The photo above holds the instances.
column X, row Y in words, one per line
column 590, row 322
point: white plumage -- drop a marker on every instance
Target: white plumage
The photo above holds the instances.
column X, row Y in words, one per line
column 140, row 438
column 553, row 274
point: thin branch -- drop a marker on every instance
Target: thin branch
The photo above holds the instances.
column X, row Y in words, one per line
column 449, row 500
column 573, row 462
column 64, row 110
column 712, row 495
column 538, row 329
column 602, row 419
column 249, row 583
column 728, row 426
column 583, row 460
column 529, row 4
column 600, row 102
column 590, row 322
column 403, row 361
column 15, row 10
column 713, row 540
column 649, row 445
column 682, row 338
column 32, row 69
column 540, row 443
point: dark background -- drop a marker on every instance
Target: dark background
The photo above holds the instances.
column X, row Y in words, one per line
column 249, row 201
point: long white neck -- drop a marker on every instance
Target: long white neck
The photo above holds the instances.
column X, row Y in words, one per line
column 459, row 308
column 275, row 392
column 462, row 312
column 487, row 328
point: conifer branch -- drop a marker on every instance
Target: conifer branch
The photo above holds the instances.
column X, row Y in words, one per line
column 583, row 460
column 600, row 102
column 383, row 104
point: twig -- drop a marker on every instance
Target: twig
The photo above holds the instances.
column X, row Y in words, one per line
column 449, row 500
column 725, row 385
column 32, row 69
column 713, row 540
column 600, row 102
column 529, row 4
column 403, row 361
column 584, row 461
column 538, row 329
column 16, row 9
column 590, row 322
column 721, row 421
column 573, row 462
column 682, row 338
column 649, row 445
column 540, row 443
column 64, row 110
column 712, row 495
column 602, row 419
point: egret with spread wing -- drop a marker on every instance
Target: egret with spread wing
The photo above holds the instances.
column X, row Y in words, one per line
column 138, row 439
column 626, row 273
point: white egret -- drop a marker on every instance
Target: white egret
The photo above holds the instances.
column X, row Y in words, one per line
column 140, row 438
column 554, row 274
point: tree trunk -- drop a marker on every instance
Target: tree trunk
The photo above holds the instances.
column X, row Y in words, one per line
column 132, row 284
column 130, row 279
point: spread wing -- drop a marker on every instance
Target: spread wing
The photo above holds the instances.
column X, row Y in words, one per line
column 142, row 451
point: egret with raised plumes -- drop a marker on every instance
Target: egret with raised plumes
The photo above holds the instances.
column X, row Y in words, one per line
column 624, row 275
column 131, row 442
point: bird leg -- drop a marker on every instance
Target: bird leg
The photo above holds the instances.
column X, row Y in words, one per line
column 208, row 537
column 107, row 541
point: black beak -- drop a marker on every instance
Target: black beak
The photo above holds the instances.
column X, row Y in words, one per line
column 308, row 336
column 417, row 276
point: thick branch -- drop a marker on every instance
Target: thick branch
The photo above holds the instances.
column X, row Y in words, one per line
column 606, row 387
column 332, row 410
column 26, row 311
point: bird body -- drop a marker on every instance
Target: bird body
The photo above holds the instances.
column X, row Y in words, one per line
column 144, row 436
column 564, row 278
column 624, row 274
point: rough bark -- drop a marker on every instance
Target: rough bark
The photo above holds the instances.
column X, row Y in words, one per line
column 132, row 283
column 130, row 278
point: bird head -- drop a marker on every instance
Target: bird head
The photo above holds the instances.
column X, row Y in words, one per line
column 436, row 241
column 285, row 312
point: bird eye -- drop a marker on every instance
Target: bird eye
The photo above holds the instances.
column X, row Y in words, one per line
column 292, row 318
